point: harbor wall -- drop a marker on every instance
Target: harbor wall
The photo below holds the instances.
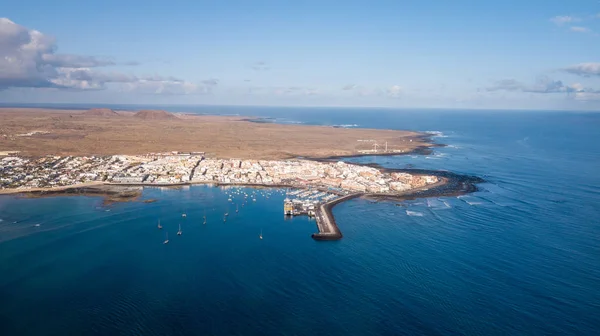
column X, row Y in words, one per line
column 328, row 229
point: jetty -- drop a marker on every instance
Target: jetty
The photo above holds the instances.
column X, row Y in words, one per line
column 328, row 229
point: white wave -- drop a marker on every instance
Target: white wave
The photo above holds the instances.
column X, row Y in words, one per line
column 287, row 121
column 437, row 204
column 436, row 134
column 469, row 200
column 345, row 125
column 414, row 213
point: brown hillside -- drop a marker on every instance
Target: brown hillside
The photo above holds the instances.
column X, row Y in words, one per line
column 101, row 112
column 154, row 115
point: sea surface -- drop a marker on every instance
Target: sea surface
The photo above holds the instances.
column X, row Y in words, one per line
column 519, row 257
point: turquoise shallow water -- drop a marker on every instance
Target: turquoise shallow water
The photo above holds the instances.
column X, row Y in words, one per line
column 521, row 256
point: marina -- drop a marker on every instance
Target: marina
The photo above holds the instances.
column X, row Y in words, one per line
column 317, row 204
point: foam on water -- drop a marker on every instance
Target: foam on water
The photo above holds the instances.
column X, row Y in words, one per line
column 436, row 204
column 346, row 125
column 414, row 213
column 436, row 134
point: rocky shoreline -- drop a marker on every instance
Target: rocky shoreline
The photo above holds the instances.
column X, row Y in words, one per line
column 110, row 193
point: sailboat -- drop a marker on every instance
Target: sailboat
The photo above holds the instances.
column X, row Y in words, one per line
column 166, row 240
column 179, row 232
column 159, row 226
column 260, row 236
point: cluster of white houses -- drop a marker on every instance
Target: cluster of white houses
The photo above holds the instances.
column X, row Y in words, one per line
column 175, row 168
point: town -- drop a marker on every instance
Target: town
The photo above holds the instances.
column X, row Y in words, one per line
column 172, row 168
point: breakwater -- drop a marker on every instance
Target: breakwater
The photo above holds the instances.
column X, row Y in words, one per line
column 450, row 184
column 328, row 229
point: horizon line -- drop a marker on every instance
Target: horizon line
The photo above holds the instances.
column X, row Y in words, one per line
column 92, row 105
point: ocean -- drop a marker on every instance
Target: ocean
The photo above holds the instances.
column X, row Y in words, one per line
column 521, row 256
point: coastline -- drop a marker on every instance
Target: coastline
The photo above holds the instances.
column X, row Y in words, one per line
column 401, row 142
column 450, row 184
column 423, row 137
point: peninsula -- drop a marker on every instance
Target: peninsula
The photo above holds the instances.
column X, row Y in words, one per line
column 50, row 152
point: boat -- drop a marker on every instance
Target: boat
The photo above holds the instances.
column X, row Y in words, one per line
column 224, row 219
column 260, row 236
column 159, row 226
column 179, row 232
column 236, row 209
column 183, row 215
column 166, row 240
column 229, row 199
column 226, row 214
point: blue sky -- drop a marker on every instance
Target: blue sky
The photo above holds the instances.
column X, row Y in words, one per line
column 457, row 54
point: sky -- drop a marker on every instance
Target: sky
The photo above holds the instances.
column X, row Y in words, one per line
column 424, row 54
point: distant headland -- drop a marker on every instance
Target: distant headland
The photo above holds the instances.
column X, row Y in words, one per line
column 36, row 132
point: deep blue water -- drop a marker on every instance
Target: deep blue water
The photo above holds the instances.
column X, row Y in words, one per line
column 521, row 256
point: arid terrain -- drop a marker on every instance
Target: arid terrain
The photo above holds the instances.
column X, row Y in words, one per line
column 38, row 132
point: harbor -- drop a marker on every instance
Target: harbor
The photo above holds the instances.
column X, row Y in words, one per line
column 318, row 204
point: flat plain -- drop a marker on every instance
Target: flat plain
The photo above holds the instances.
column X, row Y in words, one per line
column 38, row 132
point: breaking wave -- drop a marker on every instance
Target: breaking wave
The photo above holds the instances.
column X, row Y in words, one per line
column 436, row 134
column 414, row 213
column 345, row 126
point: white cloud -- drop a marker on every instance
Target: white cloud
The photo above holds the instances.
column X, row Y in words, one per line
column 584, row 69
column 21, row 56
column 394, row 91
column 575, row 91
column 587, row 96
column 349, row 87
column 577, row 29
column 563, row 19
column 577, row 87
column 28, row 58
column 165, row 87
column 542, row 85
column 283, row 90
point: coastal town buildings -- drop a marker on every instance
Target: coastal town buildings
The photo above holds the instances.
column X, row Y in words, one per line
column 180, row 168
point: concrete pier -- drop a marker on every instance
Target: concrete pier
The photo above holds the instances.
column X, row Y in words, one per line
column 328, row 229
